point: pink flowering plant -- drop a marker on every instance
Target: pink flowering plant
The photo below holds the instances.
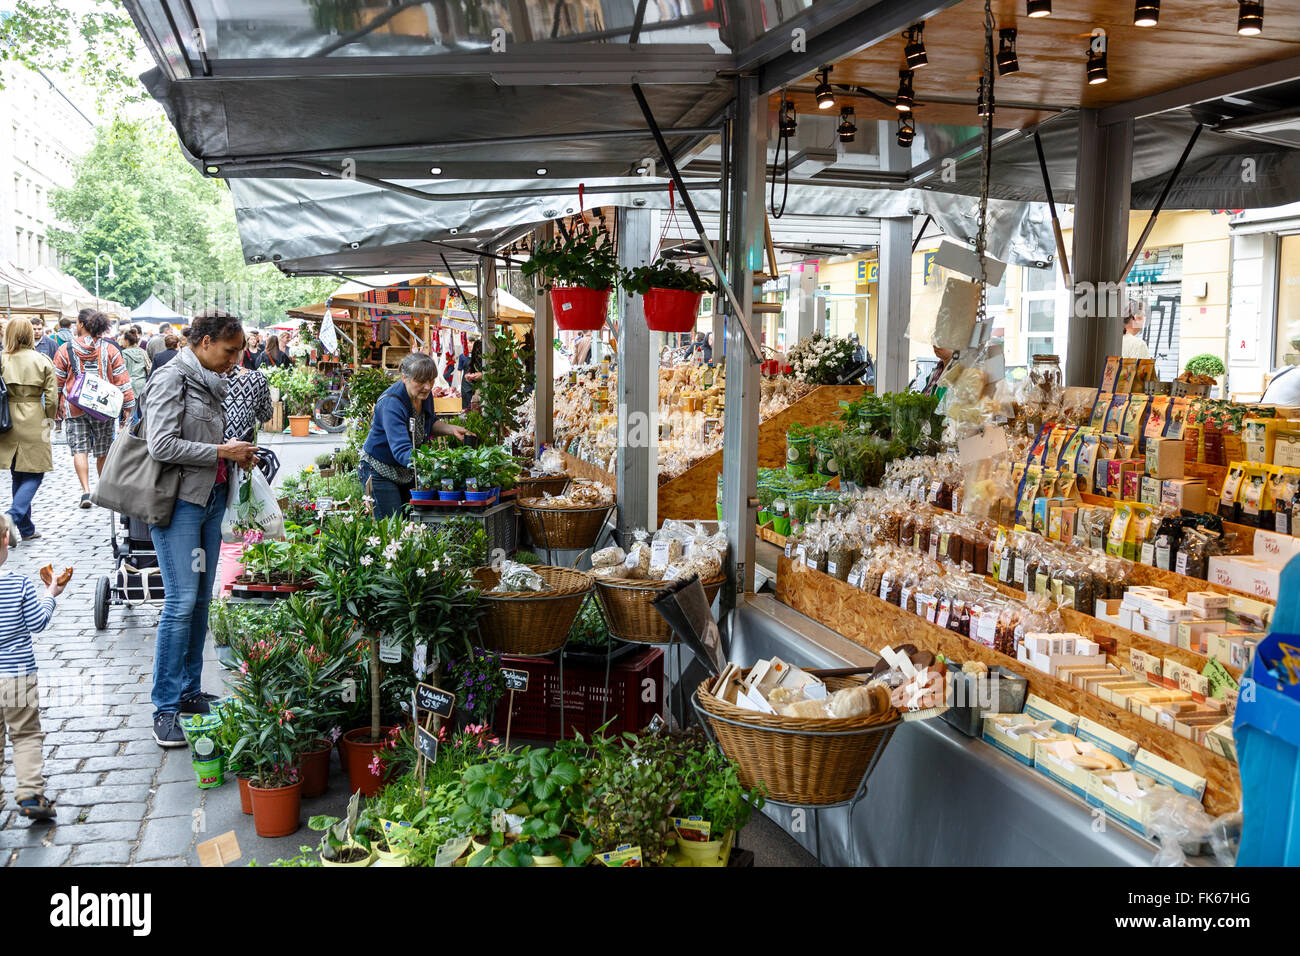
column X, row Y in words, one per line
column 272, row 738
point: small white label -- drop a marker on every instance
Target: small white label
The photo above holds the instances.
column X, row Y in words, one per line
column 801, row 554
column 566, row 306
column 831, row 568
column 1181, row 564
column 1149, row 553
column 855, row 579
column 324, row 504
column 789, row 548
column 390, row 649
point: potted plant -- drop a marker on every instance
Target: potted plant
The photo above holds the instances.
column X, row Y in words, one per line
column 476, row 678
column 502, row 389
column 425, row 461
column 634, row 787
column 270, row 741
column 318, row 678
column 579, row 271
column 325, row 464
column 671, row 292
column 237, row 764
column 339, row 845
column 300, row 388
column 714, row 795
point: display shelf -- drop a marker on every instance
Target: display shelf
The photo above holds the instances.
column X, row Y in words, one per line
column 872, row 623
column 694, row 493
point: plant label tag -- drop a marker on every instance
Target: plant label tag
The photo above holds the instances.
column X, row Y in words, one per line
column 434, row 700
column 419, row 660
column 219, row 850
column 566, row 306
column 498, row 820
column 622, row 856
column 451, row 851
column 390, row 649
column 696, row 829
column 515, row 680
column 655, row 726
column 427, row 744
column 324, row 505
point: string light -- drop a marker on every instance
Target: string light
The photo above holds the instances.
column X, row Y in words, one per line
column 848, row 128
column 904, row 101
column 1146, row 13
column 1250, row 17
column 1007, row 60
column 914, row 52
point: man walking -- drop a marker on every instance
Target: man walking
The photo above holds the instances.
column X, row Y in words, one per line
column 45, row 344
column 158, row 342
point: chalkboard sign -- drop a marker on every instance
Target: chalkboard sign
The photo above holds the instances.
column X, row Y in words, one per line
column 434, row 700
column 515, row 680
column 426, row 743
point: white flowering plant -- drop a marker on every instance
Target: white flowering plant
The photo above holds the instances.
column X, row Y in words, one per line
column 820, row 358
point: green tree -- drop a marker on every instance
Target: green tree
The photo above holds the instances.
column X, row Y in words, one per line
column 119, row 229
column 97, row 42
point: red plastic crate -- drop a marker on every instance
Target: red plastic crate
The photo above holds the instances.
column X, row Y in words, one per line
column 537, row 710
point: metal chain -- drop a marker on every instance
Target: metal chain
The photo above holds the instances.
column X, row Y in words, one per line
column 986, row 165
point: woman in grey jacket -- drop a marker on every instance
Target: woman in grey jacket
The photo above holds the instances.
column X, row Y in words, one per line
column 184, row 423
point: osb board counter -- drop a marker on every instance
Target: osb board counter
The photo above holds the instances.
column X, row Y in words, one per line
column 866, row 620
column 694, row 493
column 577, row 468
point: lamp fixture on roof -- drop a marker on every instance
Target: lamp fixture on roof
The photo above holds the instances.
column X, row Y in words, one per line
column 1039, row 8
column 825, row 95
column 1250, row 17
column 914, row 51
column 1097, row 57
column 1146, row 13
column 848, row 128
column 789, row 120
column 1007, row 60
column 904, row 101
column 906, row 129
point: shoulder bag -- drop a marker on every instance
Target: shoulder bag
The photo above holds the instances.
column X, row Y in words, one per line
column 95, row 394
column 131, row 470
column 6, row 420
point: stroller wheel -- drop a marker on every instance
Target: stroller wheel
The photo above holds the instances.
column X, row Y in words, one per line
column 102, row 587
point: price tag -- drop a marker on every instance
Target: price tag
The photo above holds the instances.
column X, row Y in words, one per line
column 906, row 598
column 1019, row 575
column 831, row 568
column 324, row 504
column 1149, row 553
column 516, row 680
column 1180, row 565
column 426, row 743
column 801, row 554
column 659, row 553
column 390, row 649
column 789, row 547
column 435, row 700
column 855, row 579
column 932, row 611
column 945, row 611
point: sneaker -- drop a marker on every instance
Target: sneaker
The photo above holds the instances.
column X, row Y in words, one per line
column 33, row 536
column 36, row 808
column 85, row 500
column 14, row 537
column 167, row 731
column 198, row 704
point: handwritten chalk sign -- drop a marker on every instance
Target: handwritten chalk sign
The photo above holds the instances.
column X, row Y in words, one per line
column 434, row 700
column 515, row 680
column 426, row 743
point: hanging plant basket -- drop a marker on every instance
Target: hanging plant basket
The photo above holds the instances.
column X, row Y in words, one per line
column 579, row 309
column 671, row 310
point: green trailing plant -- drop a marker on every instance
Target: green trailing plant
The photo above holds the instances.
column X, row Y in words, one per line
column 663, row 274
column 713, row 790
column 582, row 259
column 299, row 387
column 1206, row 364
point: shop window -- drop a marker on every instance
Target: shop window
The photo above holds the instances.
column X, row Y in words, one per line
column 1044, row 316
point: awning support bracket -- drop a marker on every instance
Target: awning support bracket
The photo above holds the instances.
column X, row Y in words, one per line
column 1160, row 202
column 756, row 350
column 1051, row 205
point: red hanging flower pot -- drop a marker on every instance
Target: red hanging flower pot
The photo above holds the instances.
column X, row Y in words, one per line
column 671, row 310
column 579, row 309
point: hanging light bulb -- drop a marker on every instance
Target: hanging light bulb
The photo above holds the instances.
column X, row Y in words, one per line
column 984, row 107
column 906, row 129
column 914, row 52
column 904, row 101
column 1039, row 8
column 848, row 128
column 1097, row 57
column 1008, row 62
column 789, row 118
column 825, row 95
column 1146, row 13
column 1250, row 17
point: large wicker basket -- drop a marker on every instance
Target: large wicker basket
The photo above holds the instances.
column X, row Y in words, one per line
column 563, row 529
column 530, row 623
column 630, row 611
column 536, row 487
column 801, row 761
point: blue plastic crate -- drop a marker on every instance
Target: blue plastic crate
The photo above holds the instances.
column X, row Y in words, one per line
column 1267, row 737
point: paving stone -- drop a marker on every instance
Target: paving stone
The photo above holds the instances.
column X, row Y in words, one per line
column 101, row 854
column 146, row 747
column 123, row 762
column 70, row 781
column 42, row 856
column 166, row 838
column 175, row 799
column 90, row 796
column 104, row 722
column 81, row 751
column 80, row 833
column 69, row 737
column 115, row 778
column 21, row 832
column 176, row 767
column 115, row 812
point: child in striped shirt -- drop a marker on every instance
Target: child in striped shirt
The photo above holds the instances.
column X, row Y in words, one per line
column 22, row 611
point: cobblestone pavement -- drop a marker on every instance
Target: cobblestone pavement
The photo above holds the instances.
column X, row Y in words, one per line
column 120, row 798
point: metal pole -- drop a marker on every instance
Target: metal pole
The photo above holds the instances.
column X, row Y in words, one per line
column 1160, row 203
column 544, row 359
column 635, row 386
column 742, row 313
column 1051, row 205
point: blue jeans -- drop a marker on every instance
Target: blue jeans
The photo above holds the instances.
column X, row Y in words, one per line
column 25, row 484
column 390, row 497
column 188, row 551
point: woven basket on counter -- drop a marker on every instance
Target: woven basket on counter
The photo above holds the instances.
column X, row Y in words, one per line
column 630, row 611
column 563, row 529
column 808, row 762
column 530, row 623
column 536, row 487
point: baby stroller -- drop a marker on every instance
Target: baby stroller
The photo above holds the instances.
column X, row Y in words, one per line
column 137, row 579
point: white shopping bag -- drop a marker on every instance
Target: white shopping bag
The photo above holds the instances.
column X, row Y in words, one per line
column 251, row 506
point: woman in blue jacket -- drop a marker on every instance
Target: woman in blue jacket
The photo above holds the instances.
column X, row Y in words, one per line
column 404, row 418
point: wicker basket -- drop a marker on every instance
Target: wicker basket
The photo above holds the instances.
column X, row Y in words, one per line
column 563, row 529
column 530, row 623
column 630, row 611
column 803, row 762
column 536, row 487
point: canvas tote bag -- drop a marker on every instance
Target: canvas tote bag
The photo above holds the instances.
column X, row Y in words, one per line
column 133, row 482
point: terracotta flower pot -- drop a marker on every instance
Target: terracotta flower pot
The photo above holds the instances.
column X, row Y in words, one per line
column 299, row 426
column 314, row 769
column 245, row 798
column 359, row 752
column 276, row 809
